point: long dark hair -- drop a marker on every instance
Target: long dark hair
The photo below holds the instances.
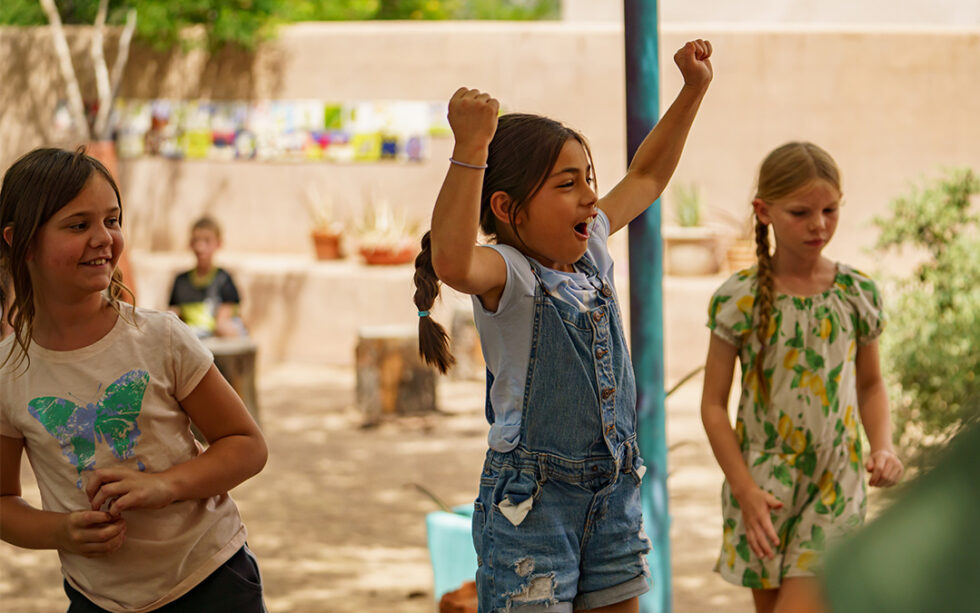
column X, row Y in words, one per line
column 34, row 188
column 521, row 155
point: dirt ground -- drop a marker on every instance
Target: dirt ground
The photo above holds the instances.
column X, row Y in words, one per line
column 338, row 525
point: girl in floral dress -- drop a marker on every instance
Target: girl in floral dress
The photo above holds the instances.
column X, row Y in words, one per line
column 804, row 330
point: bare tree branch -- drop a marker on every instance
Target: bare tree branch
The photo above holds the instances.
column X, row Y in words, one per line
column 102, row 85
column 122, row 54
column 75, row 105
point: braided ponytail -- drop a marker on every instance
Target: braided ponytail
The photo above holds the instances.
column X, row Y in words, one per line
column 763, row 302
column 433, row 340
column 520, row 156
column 786, row 169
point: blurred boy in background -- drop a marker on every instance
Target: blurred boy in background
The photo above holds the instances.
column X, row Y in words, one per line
column 205, row 297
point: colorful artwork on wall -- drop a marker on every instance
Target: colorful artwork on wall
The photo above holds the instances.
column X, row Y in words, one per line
column 279, row 130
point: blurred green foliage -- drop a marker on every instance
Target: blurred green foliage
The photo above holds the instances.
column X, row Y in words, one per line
column 246, row 23
column 932, row 348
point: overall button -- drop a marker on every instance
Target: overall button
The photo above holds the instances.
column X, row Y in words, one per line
column 600, row 352
column 605, row 290
column 597, row 316
column 606, row 393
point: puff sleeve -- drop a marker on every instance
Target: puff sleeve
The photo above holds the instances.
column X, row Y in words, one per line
column 867, row 307
column 730, row 308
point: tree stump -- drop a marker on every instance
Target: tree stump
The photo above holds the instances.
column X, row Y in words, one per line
column 235, row 359
column 391, row 377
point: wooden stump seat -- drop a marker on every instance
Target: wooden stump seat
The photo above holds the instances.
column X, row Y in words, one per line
column 235, row 358
column 391, row 377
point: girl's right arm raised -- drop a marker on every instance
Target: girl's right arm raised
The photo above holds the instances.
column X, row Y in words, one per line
column 456, row 258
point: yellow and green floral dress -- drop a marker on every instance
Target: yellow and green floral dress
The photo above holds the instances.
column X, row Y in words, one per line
column 803, row 446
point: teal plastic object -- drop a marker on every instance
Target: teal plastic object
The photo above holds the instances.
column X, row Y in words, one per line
column 450, row 541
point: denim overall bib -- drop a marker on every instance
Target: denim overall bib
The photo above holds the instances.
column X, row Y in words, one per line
column 558, row 523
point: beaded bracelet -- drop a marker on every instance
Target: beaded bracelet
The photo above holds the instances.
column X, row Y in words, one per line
column 465, row 165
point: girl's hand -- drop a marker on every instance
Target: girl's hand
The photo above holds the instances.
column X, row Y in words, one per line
column 694, row 61
column 759, row 531
column 885, row 468
column 91, row 533
column 128, row 489
column 473, row 119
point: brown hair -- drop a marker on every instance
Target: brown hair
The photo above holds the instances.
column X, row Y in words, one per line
column 522, row 153
column 207, row 222
column 785, row 170
column 34, row 188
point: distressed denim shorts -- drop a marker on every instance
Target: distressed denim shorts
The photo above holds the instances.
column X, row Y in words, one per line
column 553, row 534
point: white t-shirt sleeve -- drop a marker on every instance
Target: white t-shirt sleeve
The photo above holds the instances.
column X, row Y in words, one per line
column 520, row 280
column 7, row 428
column 191, row 359
column 600, row 227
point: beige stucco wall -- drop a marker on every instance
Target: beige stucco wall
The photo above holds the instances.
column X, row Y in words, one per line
column 890, row 104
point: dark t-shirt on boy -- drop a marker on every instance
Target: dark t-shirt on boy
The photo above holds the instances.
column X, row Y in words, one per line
column 198, row 298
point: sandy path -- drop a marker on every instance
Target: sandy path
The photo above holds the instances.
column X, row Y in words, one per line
column 338, row 526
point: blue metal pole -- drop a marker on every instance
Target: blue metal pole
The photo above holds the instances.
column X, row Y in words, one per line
column 641, row 30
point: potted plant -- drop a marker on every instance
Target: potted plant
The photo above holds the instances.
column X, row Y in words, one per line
column 741, row 248
column 385, row 237
column 327, row 230
column 690, row 247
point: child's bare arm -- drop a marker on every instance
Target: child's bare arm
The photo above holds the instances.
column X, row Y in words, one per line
column 236, row 451
column 456, row 258
column 882, row 462
column 89, row 533
column 224, row 320
column 754, row 502
column 658, row 154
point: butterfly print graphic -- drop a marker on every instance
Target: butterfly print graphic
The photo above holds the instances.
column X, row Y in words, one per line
column 112, row 420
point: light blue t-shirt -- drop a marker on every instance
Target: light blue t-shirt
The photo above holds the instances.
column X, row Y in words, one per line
column 505, row 335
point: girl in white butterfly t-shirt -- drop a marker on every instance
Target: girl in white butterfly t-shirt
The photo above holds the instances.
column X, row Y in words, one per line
column 100, row 395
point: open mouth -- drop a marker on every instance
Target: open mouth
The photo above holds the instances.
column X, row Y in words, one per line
column 97, row 262
column 584, row 228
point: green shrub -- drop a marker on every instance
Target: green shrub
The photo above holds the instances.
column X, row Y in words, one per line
column 931, row 352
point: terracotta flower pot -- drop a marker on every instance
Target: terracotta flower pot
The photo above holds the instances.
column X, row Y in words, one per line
column 690, row 251
column 327, row 245
column 388, row 255
column 462, row 600
column 740, row 255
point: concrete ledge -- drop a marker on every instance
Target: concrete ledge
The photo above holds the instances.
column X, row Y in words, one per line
column 300, row 310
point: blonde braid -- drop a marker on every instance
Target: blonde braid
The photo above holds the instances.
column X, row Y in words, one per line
column 763, row 301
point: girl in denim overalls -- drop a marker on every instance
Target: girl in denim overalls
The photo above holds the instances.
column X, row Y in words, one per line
column 558, row 522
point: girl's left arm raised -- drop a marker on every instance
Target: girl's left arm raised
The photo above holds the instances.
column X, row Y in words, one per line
column 236, row 451
column 657, row 156
column 882, row 462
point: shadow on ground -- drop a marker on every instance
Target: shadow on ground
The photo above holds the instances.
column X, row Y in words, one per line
column 338, row 525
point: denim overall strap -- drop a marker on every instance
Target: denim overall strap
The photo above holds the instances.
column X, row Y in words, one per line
column 580, row 394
